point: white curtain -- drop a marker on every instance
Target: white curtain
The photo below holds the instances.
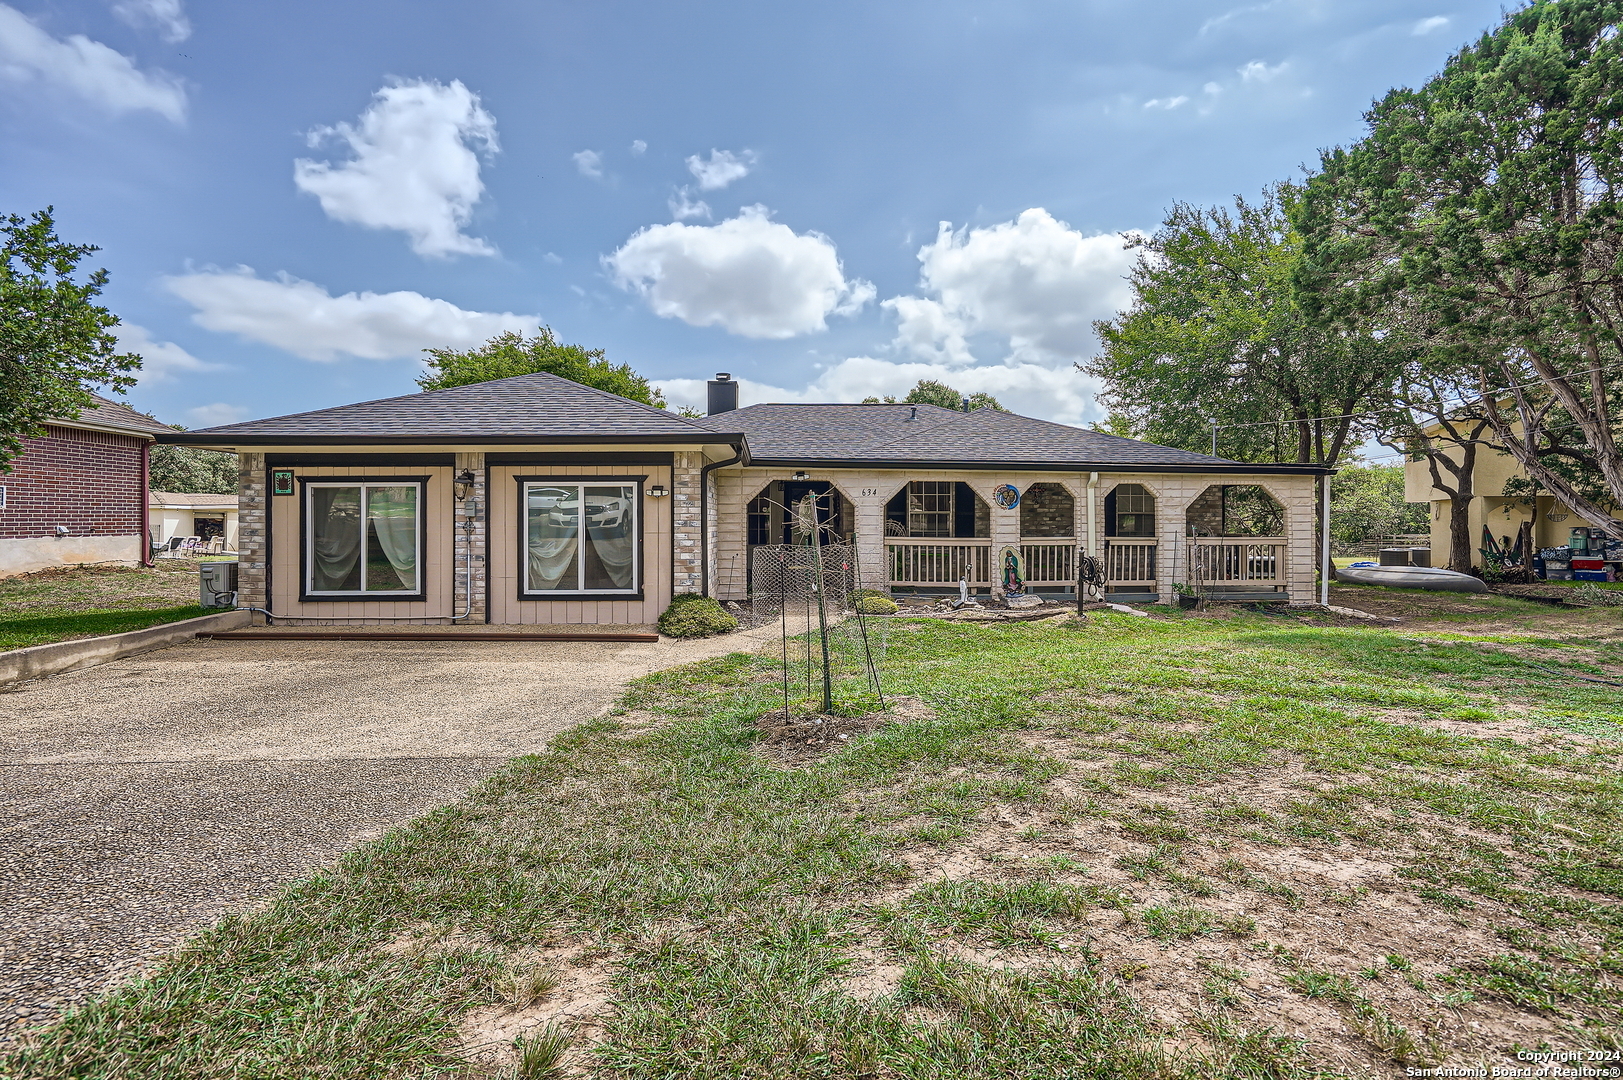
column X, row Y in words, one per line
column 551, row 560
column 392, row 513
column 612, row 531
column 336, row 534
column 615, row 549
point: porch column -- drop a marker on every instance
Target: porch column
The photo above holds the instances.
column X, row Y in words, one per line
column 251, row 532
column 867, row 495
column 468, row 543
column 1301, row 538
column 688, row 561
column 1172, row 516
column 1005, row 531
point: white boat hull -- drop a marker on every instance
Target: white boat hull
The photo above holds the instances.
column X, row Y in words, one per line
column 1412, row 577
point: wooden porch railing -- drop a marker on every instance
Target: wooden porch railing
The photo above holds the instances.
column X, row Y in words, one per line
column 1130, row 562
column 932, row 562
column 1049, row 563
column 1229, row 561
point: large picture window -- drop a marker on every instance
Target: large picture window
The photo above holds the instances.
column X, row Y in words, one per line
column 580, row 537
column 362, row 539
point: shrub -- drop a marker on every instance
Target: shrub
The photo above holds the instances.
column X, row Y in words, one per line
column 692, row 615
column 876, row 605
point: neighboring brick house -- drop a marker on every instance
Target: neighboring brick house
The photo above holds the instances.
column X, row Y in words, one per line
column 78, row 493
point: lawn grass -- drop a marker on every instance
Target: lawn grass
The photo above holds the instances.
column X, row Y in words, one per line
column 1178, row 847
column 75, row 602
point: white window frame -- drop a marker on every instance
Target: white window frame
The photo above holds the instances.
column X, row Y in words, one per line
column 580, row 486
column 363, row 593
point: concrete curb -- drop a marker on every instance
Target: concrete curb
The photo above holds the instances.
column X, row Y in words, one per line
column 39, row 660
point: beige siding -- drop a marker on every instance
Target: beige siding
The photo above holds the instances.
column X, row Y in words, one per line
column 505, row 523
column 286, row 514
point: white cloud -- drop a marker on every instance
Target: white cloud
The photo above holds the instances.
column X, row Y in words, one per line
column 1167, row 103
column 1029, row 389
column 217, row 414
column 589, row 162
column 683, row 206
column 1213, row 88
column 415, row 166
column 722, row 169
column 552, row 257
column 1034, row 281
column 85, row 68
column 166, row 16
column 927, row 330
column 304, row 319
column 638, row 148
column 1258, row 72
column 1426, row 26
column 160, row 360
column 749, row 275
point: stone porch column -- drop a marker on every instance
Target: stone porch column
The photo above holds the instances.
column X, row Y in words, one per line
column 868, row 495
column 468, row 544
column 688, row 562
column 252, row 530
column 1005, row 530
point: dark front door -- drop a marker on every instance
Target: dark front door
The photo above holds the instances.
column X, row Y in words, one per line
column 828, row 509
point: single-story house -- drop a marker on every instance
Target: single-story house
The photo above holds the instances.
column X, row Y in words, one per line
column 77, row 493
column 174, row 514
column 536, row 500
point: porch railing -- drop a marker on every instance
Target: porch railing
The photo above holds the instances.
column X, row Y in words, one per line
column 1131, row 563
column 1226, row 562
column 1049, row 563
column 932, row 562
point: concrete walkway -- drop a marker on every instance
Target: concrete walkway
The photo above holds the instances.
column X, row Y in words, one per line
column 142, row 799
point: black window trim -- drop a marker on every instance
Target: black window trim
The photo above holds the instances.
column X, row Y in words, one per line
column 308, row 597
column 522, row 531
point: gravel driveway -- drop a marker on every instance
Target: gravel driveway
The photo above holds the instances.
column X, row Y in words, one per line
column 142, row 799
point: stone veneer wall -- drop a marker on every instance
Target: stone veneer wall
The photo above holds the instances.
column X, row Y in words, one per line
column 468, row 543
column 1047, row 509
column 687, row 568
column 251, row 532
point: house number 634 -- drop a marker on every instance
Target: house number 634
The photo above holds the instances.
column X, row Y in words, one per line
column 869, row 492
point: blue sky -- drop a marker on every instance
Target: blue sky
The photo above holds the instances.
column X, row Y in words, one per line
column 828, row 200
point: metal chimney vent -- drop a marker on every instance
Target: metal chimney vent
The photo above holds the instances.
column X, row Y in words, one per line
column 723, row 396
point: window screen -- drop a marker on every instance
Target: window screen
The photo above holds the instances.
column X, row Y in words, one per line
column 580, row 538
column 930, row 507
column 362, row 538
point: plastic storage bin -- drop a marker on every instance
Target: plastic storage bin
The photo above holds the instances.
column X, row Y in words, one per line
column 1592, row 575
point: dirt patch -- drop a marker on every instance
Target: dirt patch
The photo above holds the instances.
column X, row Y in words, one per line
column 577, row 1002
column 800, row 740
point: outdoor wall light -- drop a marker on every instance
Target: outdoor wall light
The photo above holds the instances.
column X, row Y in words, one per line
column 800, row 476
column 658, row 491
column 464, row 483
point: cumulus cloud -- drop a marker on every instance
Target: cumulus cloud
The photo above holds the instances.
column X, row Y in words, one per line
column 160, row 360
column 1258, row 72
column 216, row 414
column 1034, row 281
column 1028, row 389
column 304, row 319
column 1426, row 26
column 589, row 162
column 84, row 68
column 415, row 166
column 749, row 275
column 165, row 16
column 721, row 169
column 638, row 148
column 684, row 206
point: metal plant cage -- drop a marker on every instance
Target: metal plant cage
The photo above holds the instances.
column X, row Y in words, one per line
column 829, row 653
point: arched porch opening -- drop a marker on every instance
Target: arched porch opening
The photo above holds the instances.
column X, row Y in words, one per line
column 1237, row 545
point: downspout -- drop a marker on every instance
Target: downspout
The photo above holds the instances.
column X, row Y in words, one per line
column 1093, row 490
column 146, row 504
column 704, row 518
column 1324, row 540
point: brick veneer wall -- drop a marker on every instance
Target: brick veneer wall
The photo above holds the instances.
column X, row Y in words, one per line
column 1047, row 509
column 90, row 481
column 251, row 531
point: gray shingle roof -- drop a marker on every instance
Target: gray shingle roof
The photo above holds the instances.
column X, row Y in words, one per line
column 887, row 434
column 105, row 413
column 524, row 408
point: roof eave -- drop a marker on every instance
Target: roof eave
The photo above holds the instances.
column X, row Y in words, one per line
column 1040, row 466
column 204, row 438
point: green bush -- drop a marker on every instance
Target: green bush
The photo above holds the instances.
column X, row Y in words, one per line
column 875, row 604
column 692, row 615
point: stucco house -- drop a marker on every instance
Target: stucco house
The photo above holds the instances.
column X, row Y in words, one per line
column 173, row 514
column 536, row 500
column 78, row 493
